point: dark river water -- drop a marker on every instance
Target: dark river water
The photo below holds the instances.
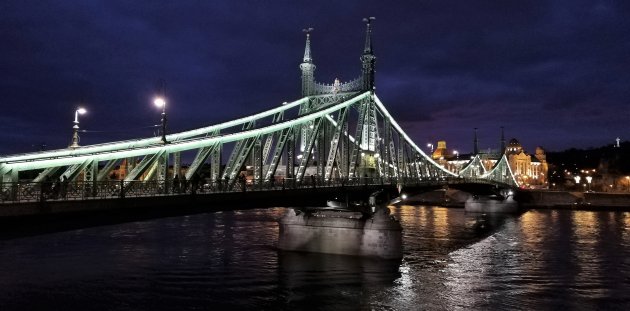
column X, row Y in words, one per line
column 540, row 260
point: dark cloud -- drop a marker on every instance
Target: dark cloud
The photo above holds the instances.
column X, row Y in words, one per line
column 554, row 73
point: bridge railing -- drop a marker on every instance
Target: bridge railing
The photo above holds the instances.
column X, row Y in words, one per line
column 73, row 191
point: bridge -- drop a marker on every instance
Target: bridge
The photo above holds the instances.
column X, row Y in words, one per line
column 337, row 134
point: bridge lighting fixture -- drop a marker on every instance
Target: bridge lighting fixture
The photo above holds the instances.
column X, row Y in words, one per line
column 160, row 102
column 75, row 127
column 404, row 196
column 588, row 180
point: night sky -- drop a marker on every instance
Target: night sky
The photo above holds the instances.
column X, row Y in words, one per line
column 553, row 73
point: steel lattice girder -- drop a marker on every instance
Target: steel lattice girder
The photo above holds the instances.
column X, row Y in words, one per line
column 190, row 144
column 500, row 172
column 151, row 149
column 148, row 142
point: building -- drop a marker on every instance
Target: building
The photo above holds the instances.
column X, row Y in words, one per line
column 530, row 171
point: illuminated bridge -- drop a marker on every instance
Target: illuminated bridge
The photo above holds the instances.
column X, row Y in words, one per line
column 337, row 134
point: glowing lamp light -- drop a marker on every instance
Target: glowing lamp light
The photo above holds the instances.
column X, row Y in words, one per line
column 403, row 196
column 159, row 101
column 81, row 110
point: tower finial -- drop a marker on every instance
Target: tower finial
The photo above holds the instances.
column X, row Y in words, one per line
column 307, row 49
column 475, row 144
column 368, row 59
column 368, row 35
column 307, row 67
column 502, row 142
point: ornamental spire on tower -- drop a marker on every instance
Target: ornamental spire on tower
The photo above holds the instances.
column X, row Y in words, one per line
column 502, row 150
column 307, row 67
column 475, row 144
column 368, row 59
column 307, row 49
column 368, row 35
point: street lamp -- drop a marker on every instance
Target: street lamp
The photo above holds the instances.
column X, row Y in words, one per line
column 75, row 128
column 161, row 103
column 429, row 145
column 577, row 180
column 456, row 153
column 588, row 180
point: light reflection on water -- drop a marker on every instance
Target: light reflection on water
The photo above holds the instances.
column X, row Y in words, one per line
column 452, row 260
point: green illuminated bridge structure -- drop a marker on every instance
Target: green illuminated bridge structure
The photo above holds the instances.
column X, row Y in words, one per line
column 337, row 134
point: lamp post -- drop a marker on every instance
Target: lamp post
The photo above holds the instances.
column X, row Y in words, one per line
column 75, row 128
column 161, row 103
column 430, row 145
column 577, row 180
column 588, row 180
column 456, row 153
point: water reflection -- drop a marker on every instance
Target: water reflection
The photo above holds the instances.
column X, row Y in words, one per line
column 452, row 260
column 332, row 281
column 557, row 259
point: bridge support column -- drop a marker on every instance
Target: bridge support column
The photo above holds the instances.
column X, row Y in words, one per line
column 90, row 177
column 131, row 164
column 258, row 162
column 162, row 173
column 215, row 165
column 177, row 164
column 290, row 167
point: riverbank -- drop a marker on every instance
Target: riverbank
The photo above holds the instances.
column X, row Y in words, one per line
column 535, row 199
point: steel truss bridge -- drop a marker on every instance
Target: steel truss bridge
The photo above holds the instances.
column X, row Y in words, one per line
column 336, row 134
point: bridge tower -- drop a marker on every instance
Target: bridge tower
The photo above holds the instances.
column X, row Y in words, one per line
column 368, row 59
column 307, row 67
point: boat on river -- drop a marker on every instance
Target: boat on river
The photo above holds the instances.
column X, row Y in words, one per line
column 358, row 229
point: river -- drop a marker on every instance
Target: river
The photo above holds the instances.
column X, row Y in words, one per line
column 539, row 260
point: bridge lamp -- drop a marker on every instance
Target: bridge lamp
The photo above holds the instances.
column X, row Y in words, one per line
column 160, row 102
column 577, row 179
column 403, row 196
column 429, row 145
column 456, row 153
column 588, row 180
column 75, row 128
